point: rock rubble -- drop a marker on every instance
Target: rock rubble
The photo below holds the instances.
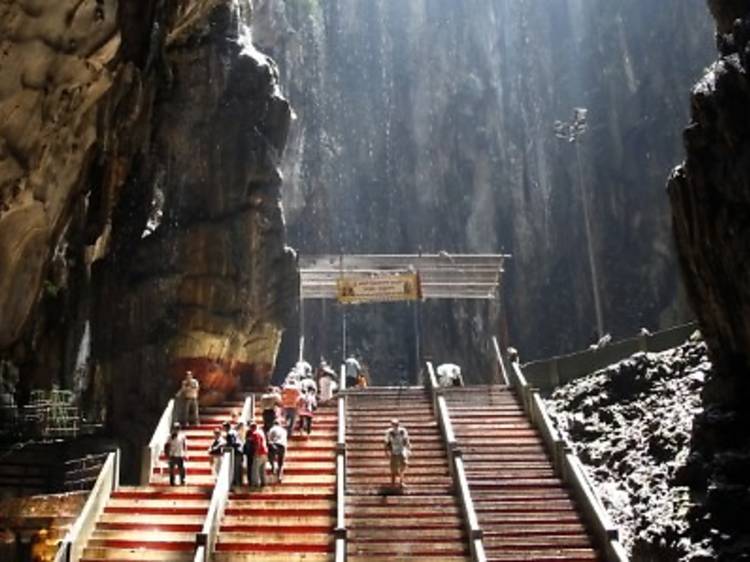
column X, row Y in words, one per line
column 631, row 425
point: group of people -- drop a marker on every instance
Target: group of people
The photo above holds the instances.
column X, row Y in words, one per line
column 284, row 410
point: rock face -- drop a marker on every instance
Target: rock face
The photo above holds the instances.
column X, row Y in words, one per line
column 710, row 196
column 429, row 123
column 631, row 426
column 140, row 192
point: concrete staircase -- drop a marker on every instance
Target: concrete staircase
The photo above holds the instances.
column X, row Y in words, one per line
column 159, row 522
column 292, row 521
column 421, row 524
column 524, row 509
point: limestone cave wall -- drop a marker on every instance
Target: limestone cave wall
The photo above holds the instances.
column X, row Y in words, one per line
column 141, row 229
column 429, row 124
column 710, row 197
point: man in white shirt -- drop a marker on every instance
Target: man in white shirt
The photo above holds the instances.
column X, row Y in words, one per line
column 398, row 448
column 176, row 452
column 277, row 442
column 352, row 369
column 449, row 374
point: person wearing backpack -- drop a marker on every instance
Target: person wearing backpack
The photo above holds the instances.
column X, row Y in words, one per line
column 175, row 449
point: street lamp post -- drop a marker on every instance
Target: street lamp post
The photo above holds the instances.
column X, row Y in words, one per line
column 572, row 132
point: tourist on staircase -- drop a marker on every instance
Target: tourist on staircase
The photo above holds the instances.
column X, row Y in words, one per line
column 268, row 404
column 398, row 448
column 290, row 396
column 326, row 381
column 175, row 450
column 352, row 370
column 277, row 443
column 260, row 456
column 449, row 374
column 188, row 393
column 306, row 406
column 307, row 384
column 215, row 450
column 234, row 445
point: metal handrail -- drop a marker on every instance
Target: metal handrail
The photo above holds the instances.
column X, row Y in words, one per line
column 205, row 541
column 340, row 531
column 248, row 409
column 458, row 470
column 341, row 427
column 446, row 423
column 152, row 451
column 342, row 378
column 72, row 545
column 500, row 362
column 569, row 468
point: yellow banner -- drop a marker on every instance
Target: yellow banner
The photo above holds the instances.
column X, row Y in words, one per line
column 383, row 288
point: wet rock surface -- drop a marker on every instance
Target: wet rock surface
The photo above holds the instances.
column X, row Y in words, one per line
column 141, row 230
column 430, row 123
column 710, row 198
column 632, row 427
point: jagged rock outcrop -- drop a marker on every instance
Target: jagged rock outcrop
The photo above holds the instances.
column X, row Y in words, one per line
column 630, row 425
column 430, row 123
column 710, row 196
column 141, row 229
column 210, row 286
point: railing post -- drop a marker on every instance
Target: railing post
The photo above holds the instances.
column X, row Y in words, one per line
column 340, row 532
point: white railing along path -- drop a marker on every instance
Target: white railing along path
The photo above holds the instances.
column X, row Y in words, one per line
column 72, row 545
column 152, row 451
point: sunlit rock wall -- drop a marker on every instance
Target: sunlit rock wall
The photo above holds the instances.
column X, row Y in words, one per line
column 141, row 230
column 710, row 195
column 430, row 123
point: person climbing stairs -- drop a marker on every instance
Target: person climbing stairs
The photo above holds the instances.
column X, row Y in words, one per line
column 292, row 521
column 524, row 509
column 158, row 522
column 419, row 523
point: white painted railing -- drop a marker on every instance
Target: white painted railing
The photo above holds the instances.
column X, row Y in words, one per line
column 568, row 467
column 340, row 531
column 476, row 541
column 248, row 409
column 72, row 545
column 152, row 451
column 205, row 541
column 500, row 363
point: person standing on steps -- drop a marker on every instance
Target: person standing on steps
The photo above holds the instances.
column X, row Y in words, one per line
column 260, row 457
column 234, row 445
column 189, row 391
column 215, row 451
column 268, row 404
column 306, row 406
column 352, row 369
column 398, row 449
column 248, row 450
column 277, row 442
column 290, row 396
column 326, row 381
column 175, row 450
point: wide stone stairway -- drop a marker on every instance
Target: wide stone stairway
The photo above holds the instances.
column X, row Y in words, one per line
column 159, row 522
column 292, row 521
column 524, row 509
column 422, row 523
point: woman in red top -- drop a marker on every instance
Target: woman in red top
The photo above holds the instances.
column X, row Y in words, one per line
column 260, row 456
